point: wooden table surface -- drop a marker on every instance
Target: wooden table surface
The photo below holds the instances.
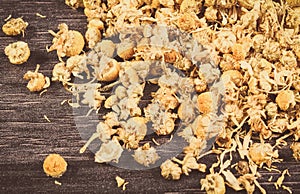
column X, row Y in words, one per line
column 26, row 137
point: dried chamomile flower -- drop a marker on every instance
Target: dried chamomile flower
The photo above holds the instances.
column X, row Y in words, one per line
column 96, row 23
column 17, row 52
column 14, row 26
column 171, row 56
column 145, row 155
column 211, row 14
column 183, row 64
column 272, row 109
column 239, row 52
column 92, row 36
column 107, row 47
column 91, row 3
column 134, row 130
column 285, row 99
column 76, row 65
column 296, row 150
column 166, row 98
column 205, row 102
column 232, row 75
column 200, row 84
column 66, row 42
column 170, row 170
column 200, row 126
column 229, row 63
column 261, row 153
column 188, row 163
column 93, row 98
column 190, row 6
column 186, row 111
column 272, row 50
column 111, row 101
column 224, row 41
column 108, row 71
column 247, row 181
column 213, row 184
column 288, row 59
column 105, row 131
column 109, row 151
column 125, row 50
column 61, row 73
column 258, row 42
column 242, row 167
column 163, row 122
column 188, row 21
column 55, row 165
column 196, row 145
column 74, row 3
column 37, row 81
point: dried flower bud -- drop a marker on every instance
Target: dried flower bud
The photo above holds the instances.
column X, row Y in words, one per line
column 188, row 163
column 93, row 98
column 91, row 3
column 170, row 170
column 188, row 21
column 145, row 155
column 213, row 184
column 14, row 26
column 17, row 52
column 125, row 50
column 37, row 80
column 77, row 64
column 243, row 167
column 205, row 102
column 285, row 99
column 66, row 42
column 92, row 36
column 232, row 75
column 211, row 14
column 296, row 150
column 271, row 109
column 61, row 73
column 109, row 71
column 272, row 50
column 262, row 153
column 110, row 151
column 96, row 23
column 224, row 41
column 55, row 165
column 107, row 47
column 258, row 42
column 171, row 56
column 239, row 52
column 74, row 3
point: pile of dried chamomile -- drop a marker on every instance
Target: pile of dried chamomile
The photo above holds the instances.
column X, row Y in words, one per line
column 234, row 78
column 254, row 49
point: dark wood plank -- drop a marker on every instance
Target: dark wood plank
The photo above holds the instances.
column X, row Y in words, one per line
column 26, row 137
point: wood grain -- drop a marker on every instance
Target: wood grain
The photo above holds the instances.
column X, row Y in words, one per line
column 26, row 137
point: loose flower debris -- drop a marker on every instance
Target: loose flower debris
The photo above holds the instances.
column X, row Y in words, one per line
column 256, row 46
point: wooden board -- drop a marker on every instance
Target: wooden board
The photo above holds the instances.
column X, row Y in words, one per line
column 26, row 137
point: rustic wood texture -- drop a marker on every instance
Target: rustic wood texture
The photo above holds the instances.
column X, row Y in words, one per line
column 26, row 137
